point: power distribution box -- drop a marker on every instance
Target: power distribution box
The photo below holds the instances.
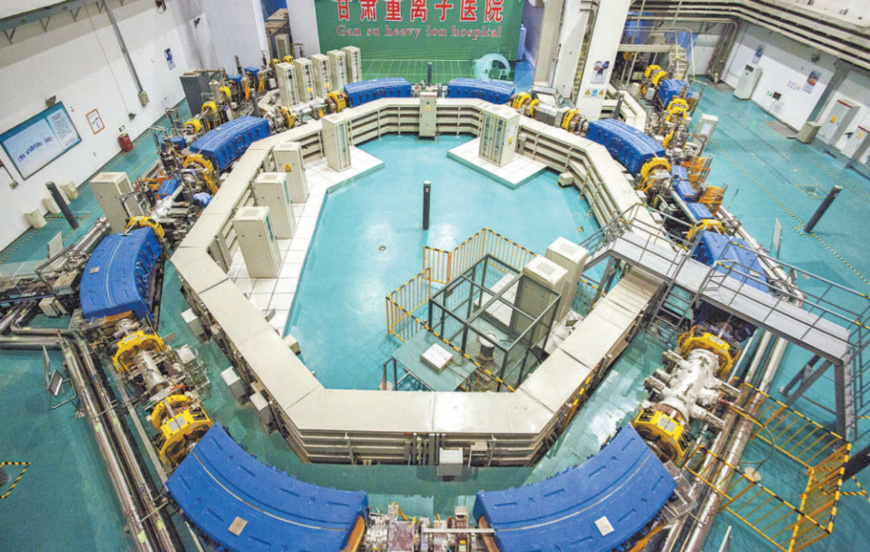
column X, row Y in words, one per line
column 353, row 63
column 336, row 141
column 337, row 69
column 304, row 79
column 253, row 227
column 286, row 76
column 320, row 71
column 112, row 190
column 272, row 190
column 428, row 128
column 288, row 158
column 499, row 133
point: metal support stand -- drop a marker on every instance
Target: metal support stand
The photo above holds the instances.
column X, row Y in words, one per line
column 822, row 208
column 427, row 193
column 61, row 203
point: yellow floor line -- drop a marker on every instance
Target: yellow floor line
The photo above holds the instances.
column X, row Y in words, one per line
column 862, row 194
column 789, row 211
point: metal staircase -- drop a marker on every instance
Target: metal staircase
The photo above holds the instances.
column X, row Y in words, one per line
column 833, row 324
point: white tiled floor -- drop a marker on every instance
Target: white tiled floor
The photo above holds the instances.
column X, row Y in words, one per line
column 515, row 173
column 277, row 294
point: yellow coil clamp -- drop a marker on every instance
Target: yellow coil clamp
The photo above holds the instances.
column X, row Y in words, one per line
column 520, row 100
column 698, row 339
column 178, row 433
column 654, row 164
column 130, row 345
column 650, row 69
column 666, row 431
column 288, row 59
column 169, row 406
column 668, row 139
column 712, row 225
column 532, row 106
column 337, row 100
column 676, row 113
column 658, row 77
column 194, row 125
column 289, row 119
column 146, row 222
column 569, row 116
column 198, row 161
column 209, row 106
column 225, row 90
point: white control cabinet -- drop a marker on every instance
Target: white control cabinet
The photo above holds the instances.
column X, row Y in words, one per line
column 427, row 114
column 304, row 79
column 253, row 227
column 108, row 188
column 748, row 80
column 272, row 190
column 320, row 71
column 336, row 141
column 353, row 62
column 288, row 158
column 286, row 74
column 337, row 69
column 498, row 134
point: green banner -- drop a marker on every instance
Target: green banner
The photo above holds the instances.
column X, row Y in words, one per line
column 421, row 29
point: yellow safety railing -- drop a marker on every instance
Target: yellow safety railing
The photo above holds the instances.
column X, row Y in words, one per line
column 404, row 301
column 697, row 170
column 820, row 454
column 584, row 297
column 448, row 265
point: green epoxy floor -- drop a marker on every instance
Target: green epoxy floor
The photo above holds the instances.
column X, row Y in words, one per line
column 66, row 496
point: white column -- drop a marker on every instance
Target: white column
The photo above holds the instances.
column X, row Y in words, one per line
column 238, row 29
column 574, row 22
column 602, row 51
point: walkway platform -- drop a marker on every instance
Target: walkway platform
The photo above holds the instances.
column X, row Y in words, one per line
column 810, row 331
column 595, row 506
column 242, row 504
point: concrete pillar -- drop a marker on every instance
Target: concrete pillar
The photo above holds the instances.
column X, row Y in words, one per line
column 601, row 56
column 572, row 258
column 549, row 41
column 575, row 21
column 238, row 29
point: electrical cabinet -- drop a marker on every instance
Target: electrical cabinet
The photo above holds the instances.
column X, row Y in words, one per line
column 320, row 71
column 272, row 190
column 282, row 46
column 337, row 69
column 286, row 76
column 572, row 258
column 304, row 79
column 112, row 190
column 748, row 79
column 428, row 127
column 253, row 227
column 498, row 134
column 336, row 141
column 288, row 159
column 353, row 63
column 542, row 280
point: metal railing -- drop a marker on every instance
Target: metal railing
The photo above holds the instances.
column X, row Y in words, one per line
column 446, row 266
column 816, row 452
column 585, row 297
column 404, row 301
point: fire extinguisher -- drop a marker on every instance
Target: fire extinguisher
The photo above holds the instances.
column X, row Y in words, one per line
column 125, row 142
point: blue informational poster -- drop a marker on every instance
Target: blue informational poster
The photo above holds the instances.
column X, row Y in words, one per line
column 40, row 139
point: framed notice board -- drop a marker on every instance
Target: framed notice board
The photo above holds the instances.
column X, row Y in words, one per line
column 40, row 139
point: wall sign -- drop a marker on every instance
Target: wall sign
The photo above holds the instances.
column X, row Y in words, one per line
column 421, row 29
column 95, row 121
column 40, row 139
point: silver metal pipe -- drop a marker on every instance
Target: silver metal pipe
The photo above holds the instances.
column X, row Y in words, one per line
column 745, row 427
column 123, row 46
column 27, row 343
column 158, row 519
column 125, row 494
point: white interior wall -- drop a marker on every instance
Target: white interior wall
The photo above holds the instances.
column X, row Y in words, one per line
column 704, row 47
column 533, row 17
column 856, row 88
column 239, row 28
column 785, row 66
column 303, row 25
column 81, row 64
